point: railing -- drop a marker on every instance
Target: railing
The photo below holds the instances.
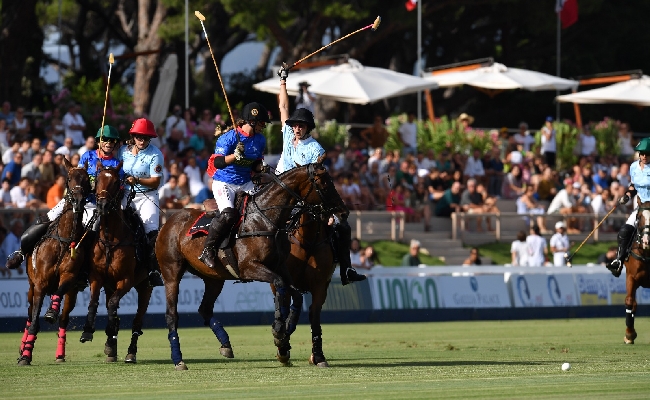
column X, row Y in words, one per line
column 460, row 223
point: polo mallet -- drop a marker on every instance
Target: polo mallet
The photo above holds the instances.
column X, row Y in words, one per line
column 111, row 60
column 568, row 257
column 202, row 18
column 374, row 27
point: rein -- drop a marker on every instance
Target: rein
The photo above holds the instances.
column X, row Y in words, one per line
column 637, row 250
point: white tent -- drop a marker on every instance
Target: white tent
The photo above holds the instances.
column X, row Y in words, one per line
column 634, row 91
column 350, row 82
column 499, row 77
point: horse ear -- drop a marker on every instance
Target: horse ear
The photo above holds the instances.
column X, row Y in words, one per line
column 67, row 164
column 321, row 158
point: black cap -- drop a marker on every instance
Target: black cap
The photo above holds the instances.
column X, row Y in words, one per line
column 302, row 115
column 255, row 112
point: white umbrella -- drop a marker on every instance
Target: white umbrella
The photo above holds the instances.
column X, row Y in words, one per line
column 350, row 82
column 163, row 94
column 634, row 91
column 499, row 77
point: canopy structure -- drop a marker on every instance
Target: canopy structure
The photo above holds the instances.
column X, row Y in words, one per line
column 634, row 91
column 350, row 82
column 163, row 94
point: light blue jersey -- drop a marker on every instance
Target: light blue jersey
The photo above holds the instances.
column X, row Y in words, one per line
column 148, row 163
column 239, row 172
column 306, row 152
column 90, row 159
column 641, row 180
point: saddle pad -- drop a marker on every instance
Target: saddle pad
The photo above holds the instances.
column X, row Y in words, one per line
column 201, row 225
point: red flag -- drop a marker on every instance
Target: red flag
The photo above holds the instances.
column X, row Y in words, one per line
column 568, row 10
column 411, row 4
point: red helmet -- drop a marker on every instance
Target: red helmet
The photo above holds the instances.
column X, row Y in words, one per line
column 144, row 127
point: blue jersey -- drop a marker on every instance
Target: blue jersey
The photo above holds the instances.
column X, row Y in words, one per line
column 89, row 159
column 306, row 152
column 239, row 172
column 640, row 178
column 148, row 163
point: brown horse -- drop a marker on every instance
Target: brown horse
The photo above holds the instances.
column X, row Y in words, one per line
column 637, row 268
column 113, row 265
column 260, row 248
column 311, row 265
column 52, row 269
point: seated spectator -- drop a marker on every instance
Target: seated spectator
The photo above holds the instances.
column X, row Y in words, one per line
column 32, row 170
column 378, row 186
column 171, row 196
column 4, row 271
column 56, row 192
column 367, row 197
column 513, row 184
column 412, row 258
column 369, row 258
column 184, row 186
column 194, row 176
column 9, row 153
column 47, row 170
column 601, row 180
column 4, row 135
column 565, row 203
column 474, row 167
column 474, row 258
column 20, row 126
column 397, row 201
column 355, row 253
column 449, row 202
column 471, row 202
column 74, row 159
column 607, row 257
column 20, row 195
column 88, row 145
column 489, row 203
column 526, row 205
column 13, row 170
column 519, row 250
column 11, row 242
column 546, row 187
column 5, row 195
column 66, row 150
column 444, row 163
column 375, row 158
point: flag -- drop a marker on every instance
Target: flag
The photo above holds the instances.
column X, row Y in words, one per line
column 411, row 4
column 568, row 10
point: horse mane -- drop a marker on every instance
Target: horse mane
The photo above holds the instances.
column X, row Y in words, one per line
column 283, row 176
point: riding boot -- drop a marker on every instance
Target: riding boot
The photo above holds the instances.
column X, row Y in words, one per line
column 154, row 274
column 219, row 231
column 344, row 236
column 28, row 241
column 625, row 235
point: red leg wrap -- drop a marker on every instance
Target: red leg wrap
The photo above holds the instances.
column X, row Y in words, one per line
column 29, row 346
column 22, row 342
column 56, row 302
column 60, row 348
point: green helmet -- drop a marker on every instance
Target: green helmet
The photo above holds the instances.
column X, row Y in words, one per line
column 109, row 133
column 643, row 146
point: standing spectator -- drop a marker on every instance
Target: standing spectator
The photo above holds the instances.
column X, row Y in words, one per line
column 175, row 128
column 524, row 138
column 449, row 202
column 412, row 258
column 587, row 142
column 625, row 143
column 474, row 258
column 56, row 192
column 474, row 167
column 74, row 125
column 559, row 244
column 20, row 126
column 549, row 145
column 11, row 243
column 407, row 135
column 519, row 250
column 6, row 113
column 465, row 122
column 305, row 98
column 13, row 169
column 355, row 253
column 88, row 145
column 537, row 248
column 376, row 135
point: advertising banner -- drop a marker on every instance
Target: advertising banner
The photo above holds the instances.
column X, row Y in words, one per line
column 406, row 292
column 543, row 290
column 483, row 291
column 594, row 289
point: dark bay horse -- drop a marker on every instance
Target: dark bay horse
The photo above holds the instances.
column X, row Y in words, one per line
column 113, row 265
column 637, row 268
column 52, row 268
column 260, row 250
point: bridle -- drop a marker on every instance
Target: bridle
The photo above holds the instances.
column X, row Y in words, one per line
column 76, row 190
column 642, row 236
column 104, row 194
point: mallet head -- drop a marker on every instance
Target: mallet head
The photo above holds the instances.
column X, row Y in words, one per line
column 375, row 24
column 199, row 16
column 568, row 260
column 111, row 60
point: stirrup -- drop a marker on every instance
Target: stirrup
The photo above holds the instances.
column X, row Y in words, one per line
column 15, row 259
column 351, row 275
column 207, row 257
column 615, row 267
column 155, row 279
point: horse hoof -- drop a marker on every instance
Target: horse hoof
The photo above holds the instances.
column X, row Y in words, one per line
column 86, row 337
column 285, row 359
column 628, row 341
column 24, row 361
column 226, row 352
column 51, row 316
column 180, row 366
column 130, row 359
column 110, row 351
column 280, row 333
column 60, row 360
column 111, row 359
column 318, row 363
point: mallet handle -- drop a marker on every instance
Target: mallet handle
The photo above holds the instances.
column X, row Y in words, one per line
column 328, row 45
column 592, row 232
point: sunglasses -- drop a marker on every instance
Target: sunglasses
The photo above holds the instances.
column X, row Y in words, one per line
column 143, row 138
column 110, row 141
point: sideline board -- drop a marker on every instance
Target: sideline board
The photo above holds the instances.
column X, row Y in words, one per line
column 482, row 291
column 537, row 290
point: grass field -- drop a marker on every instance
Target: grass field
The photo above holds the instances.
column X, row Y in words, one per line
column 481, row 359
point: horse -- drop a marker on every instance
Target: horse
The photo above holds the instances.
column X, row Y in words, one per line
column 637, row 268
column 113, row 266
column 311, row 265
column 52, row 267
column 259, row 250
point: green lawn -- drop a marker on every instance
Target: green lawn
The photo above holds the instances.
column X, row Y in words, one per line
column 480, row 359
column 390, row 253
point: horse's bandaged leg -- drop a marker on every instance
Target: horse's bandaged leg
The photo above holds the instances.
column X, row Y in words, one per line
column 219, row 332
column 25, row 332
column 175, row 344
column 56, row 302
column 294, row 313
column 629, row 318
column 60, row 347
column 29, row 346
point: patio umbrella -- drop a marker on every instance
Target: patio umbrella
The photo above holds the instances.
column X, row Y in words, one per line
column 499, row 77
column 351, row 82
column 633, row 91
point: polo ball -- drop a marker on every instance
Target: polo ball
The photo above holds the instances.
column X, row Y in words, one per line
column 566, row 367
